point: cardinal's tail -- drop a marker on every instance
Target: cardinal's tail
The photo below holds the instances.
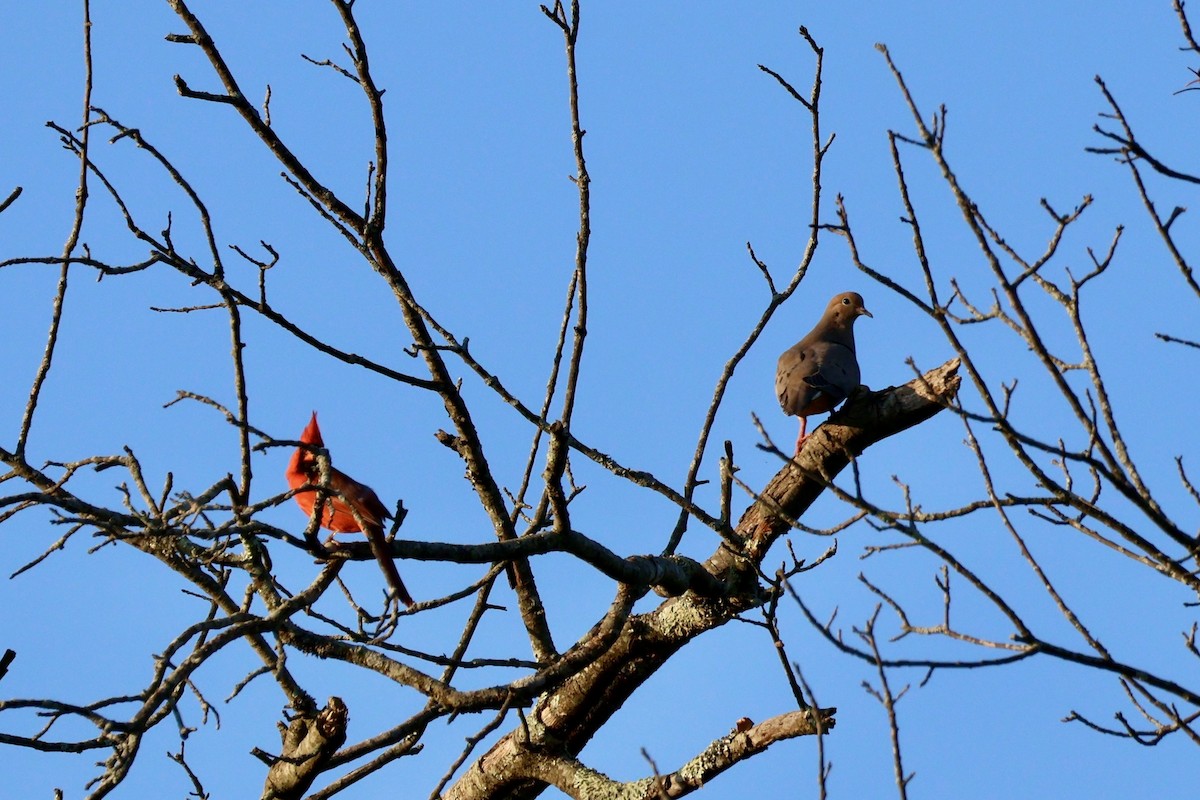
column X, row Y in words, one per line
column 379, row 548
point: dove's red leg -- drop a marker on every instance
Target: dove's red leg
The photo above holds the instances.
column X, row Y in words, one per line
column 803, row 435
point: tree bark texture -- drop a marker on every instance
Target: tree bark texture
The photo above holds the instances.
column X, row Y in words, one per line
column 308, row 743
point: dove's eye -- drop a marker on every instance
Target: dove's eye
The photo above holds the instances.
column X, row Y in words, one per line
column 845, row 301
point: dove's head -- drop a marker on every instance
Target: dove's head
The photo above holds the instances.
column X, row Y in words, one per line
column 844, row 308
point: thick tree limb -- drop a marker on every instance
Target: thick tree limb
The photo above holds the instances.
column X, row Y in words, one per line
column 308, row 743
column 581, row 782
column 565, row 719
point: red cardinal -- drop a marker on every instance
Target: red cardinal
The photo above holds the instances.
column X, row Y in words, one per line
column 336, row 515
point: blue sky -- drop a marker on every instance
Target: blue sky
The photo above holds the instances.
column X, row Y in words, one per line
column 693, row 152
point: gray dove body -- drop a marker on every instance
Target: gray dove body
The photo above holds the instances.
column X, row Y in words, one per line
column 821, row 370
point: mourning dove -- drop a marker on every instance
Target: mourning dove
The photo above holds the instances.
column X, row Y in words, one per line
column 821, row 370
